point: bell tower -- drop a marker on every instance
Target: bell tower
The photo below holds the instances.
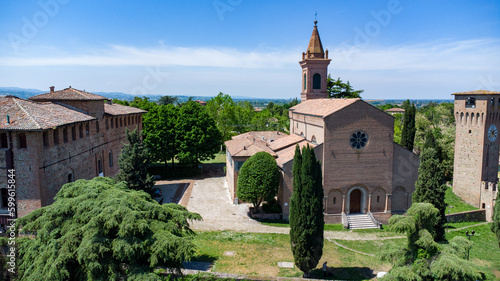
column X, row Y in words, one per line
column 314, row 65
column 475, row 176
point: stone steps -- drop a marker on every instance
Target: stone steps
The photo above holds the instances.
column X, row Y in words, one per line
column 360, row 221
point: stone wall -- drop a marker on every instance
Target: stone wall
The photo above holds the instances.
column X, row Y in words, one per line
column 468, row 216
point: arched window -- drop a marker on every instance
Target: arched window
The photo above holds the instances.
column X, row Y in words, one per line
column 111, row 158
column 305, row 81
column 70, row 177
column 22, row 140
column 316, row 81
column 313, row 140
column 3, row 140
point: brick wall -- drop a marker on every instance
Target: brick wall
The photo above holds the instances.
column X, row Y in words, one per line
column 468, row 216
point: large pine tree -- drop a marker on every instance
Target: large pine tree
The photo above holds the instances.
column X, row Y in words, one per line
column 306, row 210
column 134, row 161
column 430, row 187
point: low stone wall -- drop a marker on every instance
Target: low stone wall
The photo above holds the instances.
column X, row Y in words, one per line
column 468, row 216
column 333, row 218
column 382, row 217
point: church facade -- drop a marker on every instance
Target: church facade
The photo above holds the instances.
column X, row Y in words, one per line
column 364, row 170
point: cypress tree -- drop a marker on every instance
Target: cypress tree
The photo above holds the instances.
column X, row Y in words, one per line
column 409, row 129
column 306, row 210
column 495, row 226
column 430, row 187
column 134, row 162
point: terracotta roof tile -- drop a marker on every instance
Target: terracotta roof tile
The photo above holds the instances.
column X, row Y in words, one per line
column 252, row 142
column 287, row 154
column 322, row 107
column 478, row 92
column 67, row 94
column 395, row 109
column 32, row 116
column 118, row 109
column 285, row 142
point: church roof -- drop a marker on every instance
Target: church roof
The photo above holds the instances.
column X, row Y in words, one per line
column 315, row 47
column 478, row 92
column 26, row 115
column 322, row 107
column 286, row 155
column 118, row 109
column 67, row 94
column 246, row 145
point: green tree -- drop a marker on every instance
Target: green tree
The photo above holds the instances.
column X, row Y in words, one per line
column 430, row 188
column 166, row 100
column 134, row 162
column 422, row 258
column 259, row 179
column 306, row 210
column 122, row 102
column 495, row 226
column 198, row 138
column 408, row 132
column 338, row 89
column 222, row 109
column 159, row 133
column 101, row 230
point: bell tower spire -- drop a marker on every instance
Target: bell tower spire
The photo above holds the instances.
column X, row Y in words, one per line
column 314, row 65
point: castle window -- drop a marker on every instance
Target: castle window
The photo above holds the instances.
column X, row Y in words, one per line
column 81, row 131
column 56, row 137
column 45, row 137
column 99, row 167
column 111, row 159
column 70, row 178
column 73, row 133
column 116, row 123
column 22, row 141
column 492, row 101
column 470, row 131
column 107, row 124
column 112, row 124
column 334, row 200
column 65, row 134
column 3, row 140
column 5, row 197
column 471, row 102
column 97, row 126
column 378, row 199
column 305, row 81
column 316, row 81
column 87, row 128
column 121, row 122
column 483, row 206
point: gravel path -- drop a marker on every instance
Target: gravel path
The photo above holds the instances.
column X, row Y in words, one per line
column 210, row 198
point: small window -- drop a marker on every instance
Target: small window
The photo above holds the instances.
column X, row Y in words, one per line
column 87, row 128
column 70, row 178
column 65, row 134
column 22, row 140
column 305, row 81
column 121, row 122
column 81, row 131
column 470, row 131
column 486, row 185
column 97, row 126
column 73, row 133
column 5, row 197
column 116, row 123
column 3, row 140
column 112, row 124
column 45, row 137
column 56, row 136
column 334, row 200
column 111, row 159
column 316, row 81
column 483, row 206
column 107, row 124
column 378, row 199
column 492, row 101
column 99, row 167
column 470, row 102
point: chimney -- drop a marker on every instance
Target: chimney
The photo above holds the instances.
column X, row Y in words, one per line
column 52, row 89
column 8, row 120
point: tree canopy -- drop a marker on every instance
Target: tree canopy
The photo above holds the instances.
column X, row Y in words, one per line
column 338, row 89
column 198, row 138
column 134, row 161
column 495, row 226
column 101, row 230
column 422, row 258
column 259, row 179
column 306, row 210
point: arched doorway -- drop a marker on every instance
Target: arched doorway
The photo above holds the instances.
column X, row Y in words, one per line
column 355, row 202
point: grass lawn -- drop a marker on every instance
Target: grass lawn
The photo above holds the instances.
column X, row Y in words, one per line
column 258, row 254
column 485, row 252
column 458, row 204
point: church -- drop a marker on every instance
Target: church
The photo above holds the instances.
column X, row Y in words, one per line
column 364, row 171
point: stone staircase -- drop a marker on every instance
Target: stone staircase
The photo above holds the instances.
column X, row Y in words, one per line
column 361, row 221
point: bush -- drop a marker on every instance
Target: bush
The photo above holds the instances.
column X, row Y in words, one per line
column 272, row 207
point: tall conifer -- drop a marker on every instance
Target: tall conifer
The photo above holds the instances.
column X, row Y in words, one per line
column 306, row 210
column 409, row 129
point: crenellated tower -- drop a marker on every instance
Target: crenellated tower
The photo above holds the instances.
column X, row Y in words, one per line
column 314, row 65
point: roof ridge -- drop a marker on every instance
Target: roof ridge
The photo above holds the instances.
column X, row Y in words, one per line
column 27, row 113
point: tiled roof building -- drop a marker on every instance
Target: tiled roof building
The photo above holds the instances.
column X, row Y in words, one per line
column 58, row 137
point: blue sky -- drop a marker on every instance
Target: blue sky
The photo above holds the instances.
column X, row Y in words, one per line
column 391, row 49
